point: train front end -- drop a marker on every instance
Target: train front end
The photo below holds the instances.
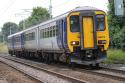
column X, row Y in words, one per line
column 88, row 36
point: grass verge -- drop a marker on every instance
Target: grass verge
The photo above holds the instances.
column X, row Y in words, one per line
column 3, row 48
column 115, row 56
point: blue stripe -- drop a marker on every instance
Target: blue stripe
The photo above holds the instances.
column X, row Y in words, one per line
column 65, row 34
column 22, row 40
column 13, row 42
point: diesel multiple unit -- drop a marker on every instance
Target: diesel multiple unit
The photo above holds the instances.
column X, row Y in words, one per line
column 79, row 36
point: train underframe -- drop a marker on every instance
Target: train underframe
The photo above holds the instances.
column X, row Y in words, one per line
column 87, row 57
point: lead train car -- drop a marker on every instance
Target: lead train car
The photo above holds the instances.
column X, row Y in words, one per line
column 79, row 36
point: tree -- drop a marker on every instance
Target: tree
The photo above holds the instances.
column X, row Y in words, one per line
column 1, row 37
column 38, row 15
column 116, row 28
column 9, row 28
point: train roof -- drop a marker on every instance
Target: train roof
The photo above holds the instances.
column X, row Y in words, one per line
column 55, row 18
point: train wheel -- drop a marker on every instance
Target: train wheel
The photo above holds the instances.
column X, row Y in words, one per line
column 68, row 61
column 97, row 66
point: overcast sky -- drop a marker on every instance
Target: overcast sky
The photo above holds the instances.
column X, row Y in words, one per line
column 12, row 10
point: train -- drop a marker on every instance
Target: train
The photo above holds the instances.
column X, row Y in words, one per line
column 79, row 36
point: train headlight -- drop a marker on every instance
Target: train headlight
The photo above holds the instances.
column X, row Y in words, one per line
column 102, row 42
column 75, row 43
column 89, row 56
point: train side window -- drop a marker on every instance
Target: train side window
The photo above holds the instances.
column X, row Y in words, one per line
column 45, row 33
column 50, row 31
column 54, row 31
column 74, row 23
column 100, row 22
column 17, row 39
column 41, row 32
column 27, row 37
column 33, row 36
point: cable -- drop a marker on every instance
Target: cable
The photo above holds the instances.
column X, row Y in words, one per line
column 9, row 6
column 61, row 4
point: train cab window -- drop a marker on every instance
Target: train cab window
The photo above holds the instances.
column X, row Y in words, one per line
column 100, row 22
column 74, row 23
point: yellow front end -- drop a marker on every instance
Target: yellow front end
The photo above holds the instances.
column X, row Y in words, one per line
column 91, row 39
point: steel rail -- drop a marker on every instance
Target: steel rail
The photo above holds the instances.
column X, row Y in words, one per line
column 65, row 77
column 95, row 72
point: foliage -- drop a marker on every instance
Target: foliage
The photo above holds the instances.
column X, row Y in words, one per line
column 116, row 56
column 1, row 37
column 116, row 28
column 9, row 28
column 38, row 15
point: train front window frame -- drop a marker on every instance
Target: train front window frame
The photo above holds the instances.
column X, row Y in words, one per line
column 100, row 22
column 74, row 23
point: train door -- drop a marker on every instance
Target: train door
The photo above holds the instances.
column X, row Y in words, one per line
column 22, row 40
column 88, row 32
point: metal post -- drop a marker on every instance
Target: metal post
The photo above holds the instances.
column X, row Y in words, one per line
column 10, row 30
column 50, row 9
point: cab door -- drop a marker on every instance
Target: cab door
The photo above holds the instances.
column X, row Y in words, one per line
column 88, row 32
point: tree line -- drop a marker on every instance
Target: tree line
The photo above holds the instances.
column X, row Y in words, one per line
column 37, row 16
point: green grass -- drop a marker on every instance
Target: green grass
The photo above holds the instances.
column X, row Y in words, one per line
column 116, row 56
column 3, row 48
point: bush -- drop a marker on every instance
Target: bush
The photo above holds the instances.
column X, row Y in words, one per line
column 115, row 56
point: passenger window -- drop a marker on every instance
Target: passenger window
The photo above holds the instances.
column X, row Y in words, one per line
column 54, row 31
column 17, row 39
column 44, row 33
column 74, row 23
column 50, row 31
column 100, row 22
column 47, row 33
column 33, row 35
column 41, row 33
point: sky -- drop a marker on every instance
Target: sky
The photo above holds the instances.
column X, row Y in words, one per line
column 17, row 10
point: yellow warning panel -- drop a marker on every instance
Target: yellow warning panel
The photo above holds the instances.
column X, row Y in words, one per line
column 88, row 33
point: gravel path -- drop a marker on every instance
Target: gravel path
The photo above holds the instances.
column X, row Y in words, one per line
column 44, row 77
column 14, row 76
column 74, row 73
column 80, row 75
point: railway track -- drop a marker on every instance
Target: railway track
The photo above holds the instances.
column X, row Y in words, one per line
column 62, row 76
column 104, row 72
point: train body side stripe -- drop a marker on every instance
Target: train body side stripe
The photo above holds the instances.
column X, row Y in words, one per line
column 65, row 34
